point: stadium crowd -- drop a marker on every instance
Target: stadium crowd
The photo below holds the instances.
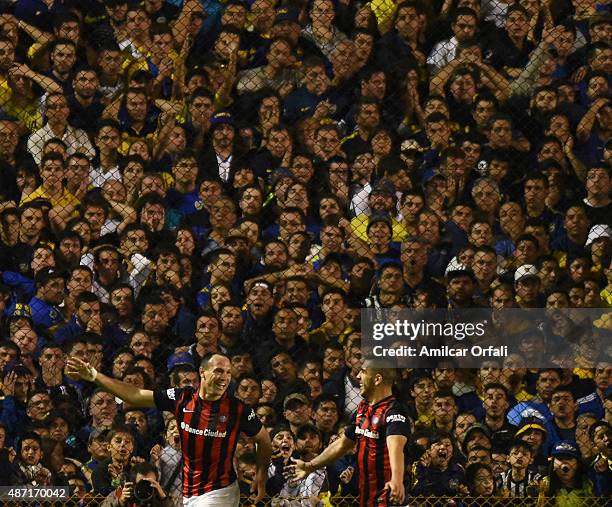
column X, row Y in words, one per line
column 179, row 177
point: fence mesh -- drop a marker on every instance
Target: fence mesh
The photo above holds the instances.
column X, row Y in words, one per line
column 181, row 177
column 339, row 501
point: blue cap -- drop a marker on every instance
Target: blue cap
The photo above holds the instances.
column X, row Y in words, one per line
column 379, row 216
column 286, row 14
column 280, row 173
column 44, row 275
column 384, row 187
column 566, row 448
column 179, row 358
column 222, row 118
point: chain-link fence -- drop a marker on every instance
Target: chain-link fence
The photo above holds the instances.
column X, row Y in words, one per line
column 338, row 501
column 185, row 177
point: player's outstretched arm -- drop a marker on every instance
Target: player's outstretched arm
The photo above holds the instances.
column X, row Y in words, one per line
column 395, row 445
column 302, row 469
column 263, row 453
column 77, row 369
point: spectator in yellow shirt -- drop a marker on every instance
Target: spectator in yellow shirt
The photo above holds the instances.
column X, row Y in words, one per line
column 7, row 59
column 606, row 293
column 52, row 190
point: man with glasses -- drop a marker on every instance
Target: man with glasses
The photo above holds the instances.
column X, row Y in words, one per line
column 297, row 410
column 38, row 406
column 328, row 142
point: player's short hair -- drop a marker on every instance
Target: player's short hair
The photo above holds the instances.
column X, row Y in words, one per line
column 205, row 362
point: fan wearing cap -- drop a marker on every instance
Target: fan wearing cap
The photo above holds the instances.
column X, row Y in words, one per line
column 567, row 481
column 297, row 410
column 598, row 243
column 216, row 158
column 527, row 285
column 599, row 26
column 533, row 431
column 382, row 200
column 19, row 316
column 380, row 232
column 287, row 25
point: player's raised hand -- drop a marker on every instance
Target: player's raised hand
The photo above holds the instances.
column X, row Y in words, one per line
column 77, row 369
column 297, row 471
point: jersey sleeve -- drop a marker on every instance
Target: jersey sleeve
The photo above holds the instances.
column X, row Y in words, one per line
column 249, row 422
column 396, row 420
column 167, row 399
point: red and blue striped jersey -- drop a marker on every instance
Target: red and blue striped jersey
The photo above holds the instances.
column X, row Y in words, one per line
column 209, row 433
column 371, row 426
